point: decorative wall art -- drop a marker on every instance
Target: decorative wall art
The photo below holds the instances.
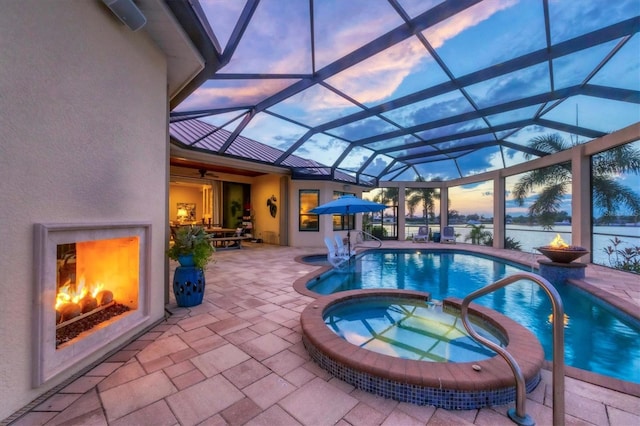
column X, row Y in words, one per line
column 271, row 203
column 186, row 212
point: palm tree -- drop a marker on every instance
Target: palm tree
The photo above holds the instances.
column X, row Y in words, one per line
column 386, row 194
column 555, row 180
column 478, row 235
column 424, row 196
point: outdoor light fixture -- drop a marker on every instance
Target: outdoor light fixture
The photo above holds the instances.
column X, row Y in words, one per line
column 127, row 12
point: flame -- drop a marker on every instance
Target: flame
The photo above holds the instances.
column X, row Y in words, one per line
column 558, row 243
column 66, row 293
column 565, row 319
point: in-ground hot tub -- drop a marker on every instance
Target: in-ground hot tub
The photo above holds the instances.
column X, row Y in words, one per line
column 451, row 372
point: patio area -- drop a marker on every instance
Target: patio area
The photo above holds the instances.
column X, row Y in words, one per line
column 238, row 359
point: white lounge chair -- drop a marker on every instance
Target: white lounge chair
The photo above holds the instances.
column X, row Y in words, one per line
column 448, row 235
column 341, row 248
column 335, row 259
column 422, row 235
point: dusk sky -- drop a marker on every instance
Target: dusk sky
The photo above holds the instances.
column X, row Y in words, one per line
column 275, row 52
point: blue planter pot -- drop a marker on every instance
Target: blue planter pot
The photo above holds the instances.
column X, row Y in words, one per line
column 188, row 285
column 186, row 260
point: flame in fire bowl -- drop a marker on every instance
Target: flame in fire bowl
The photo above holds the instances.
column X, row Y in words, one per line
column 560, row 252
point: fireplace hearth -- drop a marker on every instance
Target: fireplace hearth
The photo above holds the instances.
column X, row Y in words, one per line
column 91, row 289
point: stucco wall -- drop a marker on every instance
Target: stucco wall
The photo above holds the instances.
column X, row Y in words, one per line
column 83, row 116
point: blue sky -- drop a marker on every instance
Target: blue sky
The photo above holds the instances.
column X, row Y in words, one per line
column 278, row 50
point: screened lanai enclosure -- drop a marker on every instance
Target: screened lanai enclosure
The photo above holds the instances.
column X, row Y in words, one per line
column 506, row 113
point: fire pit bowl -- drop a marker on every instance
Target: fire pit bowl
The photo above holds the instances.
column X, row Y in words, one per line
column 562, row 255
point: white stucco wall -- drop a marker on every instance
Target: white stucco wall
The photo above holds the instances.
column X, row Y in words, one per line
column 83, row 113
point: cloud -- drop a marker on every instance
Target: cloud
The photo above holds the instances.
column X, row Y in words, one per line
column 440, row 33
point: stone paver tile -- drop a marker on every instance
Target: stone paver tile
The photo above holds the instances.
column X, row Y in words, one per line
column 241, row 412
column 183, row 355
column 398, row 417
column 585, row 408
column 265, row 346
column 131, row 396
column 364, row 415
column 82, row 384
column 124, row 374
column 208, row 343
column 188, row 379
column 196, row 334
column 447, row 418
column 241, row 336
column 611, row 397
column 58, row 402
column 156, row 414
column 420, row 412
column 122, row 356
column 283, row 362
column 264, row 326
column 273, row 416
column 341, row 384
column 157, row 364
column 219, row 359
column 299, row 376
column 202, row 400
column 318, row 403
column 246, row 373
column 191, row 323
column 318, row 371
column 179, row 369
column 229, row 325
column 216, row 420
column 619, row 417
column 161, row 348
column 489, row 417
column 268, row 390
column 384, row 405
column 105, row 368
column 85, row 410
column 34, row 418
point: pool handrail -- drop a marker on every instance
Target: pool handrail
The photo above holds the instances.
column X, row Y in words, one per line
column 519, row 415
column 360, row 238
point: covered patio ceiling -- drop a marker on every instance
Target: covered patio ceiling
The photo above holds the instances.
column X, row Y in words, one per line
column 369, row 91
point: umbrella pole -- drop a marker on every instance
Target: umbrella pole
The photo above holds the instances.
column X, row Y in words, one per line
column 348, row 233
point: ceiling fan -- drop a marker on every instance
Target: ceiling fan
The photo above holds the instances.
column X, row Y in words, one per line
column 194, row 175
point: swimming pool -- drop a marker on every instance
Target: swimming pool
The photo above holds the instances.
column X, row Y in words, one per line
column 597, row 338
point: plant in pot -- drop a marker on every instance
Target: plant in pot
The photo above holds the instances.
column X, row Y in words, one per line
column 191, row 247
column 193, row 250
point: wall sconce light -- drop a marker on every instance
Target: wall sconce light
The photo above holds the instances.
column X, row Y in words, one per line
column 127, row 12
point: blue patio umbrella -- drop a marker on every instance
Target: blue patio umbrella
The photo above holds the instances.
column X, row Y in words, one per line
column 348, row 204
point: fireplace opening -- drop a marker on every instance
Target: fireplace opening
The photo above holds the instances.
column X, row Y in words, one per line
column 96, row 282
column 92, row 292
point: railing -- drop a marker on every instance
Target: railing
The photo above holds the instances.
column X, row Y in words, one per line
column 519, row 415
column 362, row 237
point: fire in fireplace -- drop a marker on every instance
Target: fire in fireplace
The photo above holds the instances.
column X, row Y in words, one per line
column 96, row 281
column 91, row 289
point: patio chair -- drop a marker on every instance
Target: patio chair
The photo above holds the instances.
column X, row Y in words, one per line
column 341, row 248
column 422, row 235
column 448, row 235
column 334, row 258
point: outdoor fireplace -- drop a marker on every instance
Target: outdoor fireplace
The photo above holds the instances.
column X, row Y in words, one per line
column 91, row 288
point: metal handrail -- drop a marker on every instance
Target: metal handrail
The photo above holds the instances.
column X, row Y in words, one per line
column 519, row 415
column 370, row 237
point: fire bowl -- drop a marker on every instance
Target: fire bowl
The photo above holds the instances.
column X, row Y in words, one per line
column 559, row 255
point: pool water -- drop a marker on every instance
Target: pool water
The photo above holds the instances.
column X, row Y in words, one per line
column 408, row 329
column 597, row 337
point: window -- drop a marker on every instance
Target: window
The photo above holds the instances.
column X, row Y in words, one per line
column 340, row 221
column 308, row 200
